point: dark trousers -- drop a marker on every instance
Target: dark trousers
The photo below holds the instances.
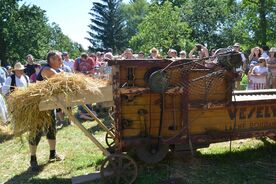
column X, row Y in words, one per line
column 50, row 132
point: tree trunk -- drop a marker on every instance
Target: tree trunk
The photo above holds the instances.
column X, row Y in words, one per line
column 263, row 22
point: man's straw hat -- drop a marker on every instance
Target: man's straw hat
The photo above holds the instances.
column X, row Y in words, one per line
column 18, row 66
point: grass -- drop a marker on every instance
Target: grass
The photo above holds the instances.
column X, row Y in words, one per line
column 250, row 161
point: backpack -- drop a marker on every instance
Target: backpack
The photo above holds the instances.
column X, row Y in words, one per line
column 13, row 82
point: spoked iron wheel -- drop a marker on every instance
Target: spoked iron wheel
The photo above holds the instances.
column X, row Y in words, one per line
column 109, row 140
column 118, row 169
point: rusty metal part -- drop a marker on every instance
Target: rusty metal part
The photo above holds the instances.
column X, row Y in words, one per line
column 109, row 140
column 130, row 77
column 143, row 128
column 126, row 123
column 152, row 153
column 118, row 169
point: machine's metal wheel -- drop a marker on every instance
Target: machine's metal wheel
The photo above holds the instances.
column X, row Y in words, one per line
column 152, row 153
column 110, row 142
column 118, row 169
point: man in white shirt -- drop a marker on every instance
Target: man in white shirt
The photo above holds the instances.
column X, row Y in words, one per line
column 18, row 79
column 242, row 68
column 67, row 61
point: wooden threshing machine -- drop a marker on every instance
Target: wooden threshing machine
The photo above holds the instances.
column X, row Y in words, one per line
column 166, row 104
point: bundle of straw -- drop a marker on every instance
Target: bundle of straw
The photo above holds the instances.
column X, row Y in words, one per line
column 23, row 103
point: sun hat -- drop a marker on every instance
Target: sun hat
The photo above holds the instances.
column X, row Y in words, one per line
column 18, row 66
column 273, row 49
column 237, row 45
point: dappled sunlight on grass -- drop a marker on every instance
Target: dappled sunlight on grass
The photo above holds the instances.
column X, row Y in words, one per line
column 249, row 161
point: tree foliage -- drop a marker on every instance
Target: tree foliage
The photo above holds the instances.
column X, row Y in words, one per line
column 107, row 28
column 162, row 28
column 25, row 30
column 133, row 13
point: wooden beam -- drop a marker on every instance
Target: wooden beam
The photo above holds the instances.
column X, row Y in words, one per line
column 86, row 96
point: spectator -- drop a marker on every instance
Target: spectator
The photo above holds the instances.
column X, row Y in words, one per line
column 241, row 68
column 172, row 53
column 272, row 66
column 202, row 51
column 259, row 75
column 3, row 75
column 67, row 61
column 250, row 78
column 128, row 54
column 34, row 76
column 141, row 55
column 65, row 68
column 30, row 67
column 3, row 111
column 108, row 56
column 183, row 54
column 154, row 54
column 100, row 56
column 9, row 70
column 254, row 55
column 18, row 79
column 84, row 64
column 212, row 53
column 265, row 53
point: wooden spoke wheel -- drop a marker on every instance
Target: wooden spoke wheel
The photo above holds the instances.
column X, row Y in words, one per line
column 152, row 153
column 109, row 140
column 118, row 169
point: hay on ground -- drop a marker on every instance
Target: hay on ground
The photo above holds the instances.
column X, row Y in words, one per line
column 23, row 103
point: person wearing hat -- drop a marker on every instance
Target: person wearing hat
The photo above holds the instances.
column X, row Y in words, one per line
column 18, row 79
column 141, row 55
column 259, row 75
column 272, row 66
column 30, row 67
column 9, row 70
column 242, row 67
column 183, row 54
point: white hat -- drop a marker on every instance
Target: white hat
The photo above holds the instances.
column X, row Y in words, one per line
column 273, row 49
column 18, row 66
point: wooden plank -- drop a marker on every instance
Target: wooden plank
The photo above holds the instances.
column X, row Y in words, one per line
column 86, row 178
column 86, row 97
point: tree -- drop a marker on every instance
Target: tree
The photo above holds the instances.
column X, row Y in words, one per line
column 134, row 12
column 162, row 28
column 107, row 27
column 25, row 30
column 59, row 41
column 6, row 12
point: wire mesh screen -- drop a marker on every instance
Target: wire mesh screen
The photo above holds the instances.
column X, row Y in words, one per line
column 196, row 78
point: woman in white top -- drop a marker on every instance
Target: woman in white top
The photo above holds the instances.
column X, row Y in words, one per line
column 18, row 79
column 272, row 66
column 259, row 75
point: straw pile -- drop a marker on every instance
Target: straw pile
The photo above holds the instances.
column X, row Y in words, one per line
column 24, row 103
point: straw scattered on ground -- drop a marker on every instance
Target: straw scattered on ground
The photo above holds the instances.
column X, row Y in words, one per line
column 24, row 103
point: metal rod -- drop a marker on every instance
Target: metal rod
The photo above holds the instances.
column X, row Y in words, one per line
column 100, row 123
column 78, row 124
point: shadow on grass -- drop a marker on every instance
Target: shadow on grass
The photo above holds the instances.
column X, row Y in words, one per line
column 252, row 165
column 4, row 136
column 28, row 176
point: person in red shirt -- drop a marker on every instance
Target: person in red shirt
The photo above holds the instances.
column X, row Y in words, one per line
column 84, row 64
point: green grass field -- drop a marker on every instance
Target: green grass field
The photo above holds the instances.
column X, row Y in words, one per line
column 250, row 161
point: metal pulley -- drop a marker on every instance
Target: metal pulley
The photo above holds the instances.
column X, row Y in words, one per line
column 158, row 81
